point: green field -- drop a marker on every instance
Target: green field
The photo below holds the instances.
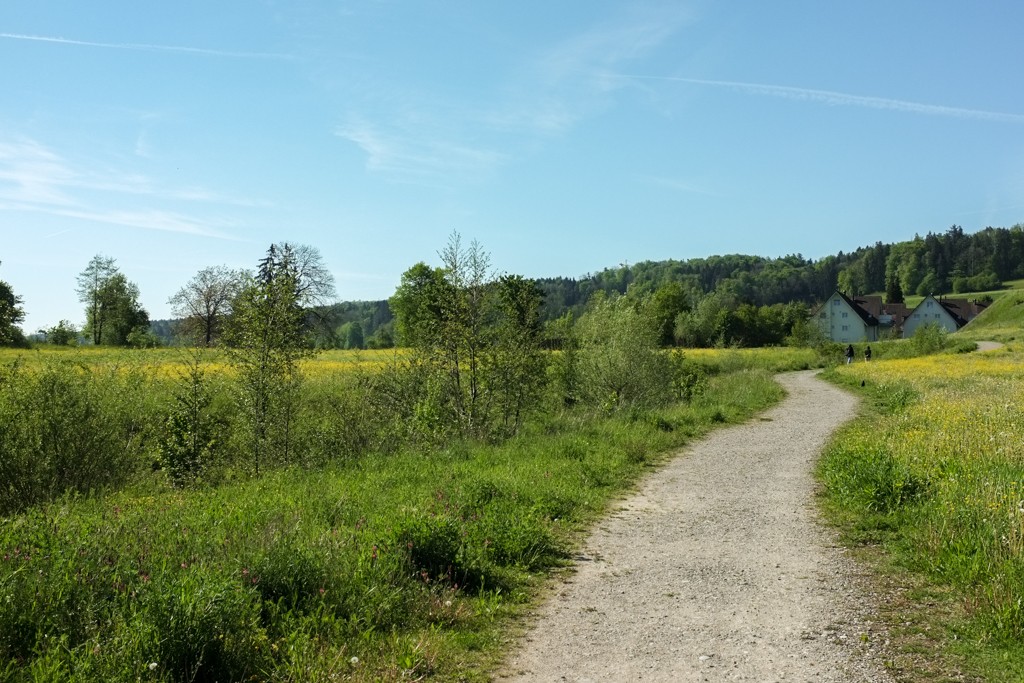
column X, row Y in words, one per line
column 928, row 488
column 373, row 557
column 363, row 558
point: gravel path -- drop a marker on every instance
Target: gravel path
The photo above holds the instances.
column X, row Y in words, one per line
column 716, row 569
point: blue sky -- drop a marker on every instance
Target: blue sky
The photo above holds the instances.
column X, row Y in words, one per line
column 565, row 137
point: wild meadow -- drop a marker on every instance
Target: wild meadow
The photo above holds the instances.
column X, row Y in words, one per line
column 935, row 472
column 370, row 553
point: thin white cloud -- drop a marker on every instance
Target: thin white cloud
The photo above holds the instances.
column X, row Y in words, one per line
column 605, row 46
column 398, row 152
column 36, row 179
column 833, row 98
column 568, row 81
column 147, row 47
column 425, row 139
column 150, row 219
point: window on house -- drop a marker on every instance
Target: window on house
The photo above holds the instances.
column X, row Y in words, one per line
column 845, row 328
column 835, row 302
column 928, row 305
column 917, row 315
column 845, row 314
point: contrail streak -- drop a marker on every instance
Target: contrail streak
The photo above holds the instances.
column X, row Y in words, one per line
column 148, row 47
column 834, row 98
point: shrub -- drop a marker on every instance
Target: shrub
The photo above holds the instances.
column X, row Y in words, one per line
column 65, row 428
column 929, row 338
column 620, row 363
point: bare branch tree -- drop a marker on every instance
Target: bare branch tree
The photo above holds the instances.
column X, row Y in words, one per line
column 205, row 302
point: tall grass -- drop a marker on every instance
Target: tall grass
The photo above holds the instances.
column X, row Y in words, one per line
column 367, row 560
column 936, row 472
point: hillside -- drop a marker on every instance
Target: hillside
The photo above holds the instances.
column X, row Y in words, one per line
column 740, row 299
column 1002, row 321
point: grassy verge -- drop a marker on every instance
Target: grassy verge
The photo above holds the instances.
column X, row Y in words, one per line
column 392, row 566
column 928, row 485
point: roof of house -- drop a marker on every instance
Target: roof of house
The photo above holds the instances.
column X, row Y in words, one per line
column 863, row 312
column 961, row 310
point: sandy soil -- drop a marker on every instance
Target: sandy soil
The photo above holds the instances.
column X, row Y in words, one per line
column 716, row 569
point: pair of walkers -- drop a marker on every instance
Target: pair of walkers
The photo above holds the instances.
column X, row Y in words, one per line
column 849, row 354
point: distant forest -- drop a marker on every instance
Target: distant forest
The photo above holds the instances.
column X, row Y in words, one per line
column 737, row 299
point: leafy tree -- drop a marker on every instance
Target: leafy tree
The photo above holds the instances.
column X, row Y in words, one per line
column 267, row 336
column 708, row 324
column 476, row 340
column 11, row 313
column 419, row 305
column 313, row 281
column 665, row 305
column 190, row 437
column 126, row 321
column 91, row 285
column 354, row 336
column 561, row 334
column 204, row 303
column 852, row 280
column 893, row 291
column 516, row 368
column 112, row 310
column 62, row 334
column 382, row 338
column 620, row 363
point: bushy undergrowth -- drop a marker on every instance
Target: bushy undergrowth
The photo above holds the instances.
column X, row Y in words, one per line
column 934, row 471
column 370, row 558
column 64, row 427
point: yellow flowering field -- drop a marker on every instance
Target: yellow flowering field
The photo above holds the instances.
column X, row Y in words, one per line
column 773, row 359
column 945, row 456
column 167, row 363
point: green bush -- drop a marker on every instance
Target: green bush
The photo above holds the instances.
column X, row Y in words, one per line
column 620, row 362
column 67, row 428
column 928, row 338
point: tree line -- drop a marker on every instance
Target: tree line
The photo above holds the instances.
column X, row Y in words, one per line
column 731, row 299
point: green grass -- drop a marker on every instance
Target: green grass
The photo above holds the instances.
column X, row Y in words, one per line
column 1009, row 287
column 382, row 564
column 1002, row 321
column 928, row 486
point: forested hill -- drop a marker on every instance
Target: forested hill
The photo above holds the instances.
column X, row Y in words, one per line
column 744, row 299
column 950, row 262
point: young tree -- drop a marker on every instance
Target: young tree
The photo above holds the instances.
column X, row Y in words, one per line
column 354, row 336
column 266, row 338
column 11, row 313
column 893, row 291
column 477, row 342
column 204, row 303
column 62, row 334
column 124, row 317
column 314, row 283
column 91, row 285
column 620, row 363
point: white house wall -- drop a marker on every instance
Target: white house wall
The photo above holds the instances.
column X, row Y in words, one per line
column 929, row 311
column 840, row 323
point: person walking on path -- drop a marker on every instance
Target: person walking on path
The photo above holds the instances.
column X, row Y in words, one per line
column 867, row 354
column 849, row 354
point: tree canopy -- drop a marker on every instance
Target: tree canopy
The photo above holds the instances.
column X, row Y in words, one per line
column 11, row 313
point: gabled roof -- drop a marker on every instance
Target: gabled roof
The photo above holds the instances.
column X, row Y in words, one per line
column 865, row 315
column 961, row 310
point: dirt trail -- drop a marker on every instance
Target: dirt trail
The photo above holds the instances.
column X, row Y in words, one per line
column 716, row 570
